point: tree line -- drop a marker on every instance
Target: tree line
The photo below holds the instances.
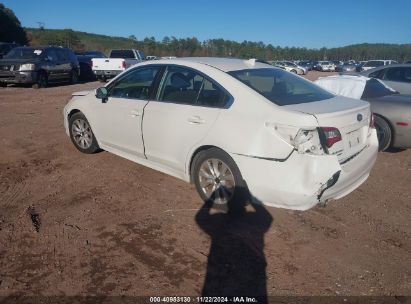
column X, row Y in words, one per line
column 12, row 31
column 180, row 47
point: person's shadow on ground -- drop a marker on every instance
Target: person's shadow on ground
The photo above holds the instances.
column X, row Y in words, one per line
column 236, row 262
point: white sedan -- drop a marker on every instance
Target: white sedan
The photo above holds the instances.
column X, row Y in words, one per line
column 237, row 129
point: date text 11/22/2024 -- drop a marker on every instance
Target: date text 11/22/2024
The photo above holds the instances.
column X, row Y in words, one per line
column 176, row 299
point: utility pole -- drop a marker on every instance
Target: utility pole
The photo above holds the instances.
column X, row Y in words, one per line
column 41, row 25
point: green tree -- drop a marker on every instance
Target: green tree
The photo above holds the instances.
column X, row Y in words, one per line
column 10, row 27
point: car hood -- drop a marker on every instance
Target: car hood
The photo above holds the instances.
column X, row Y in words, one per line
column 82, row 93
column 19, row 61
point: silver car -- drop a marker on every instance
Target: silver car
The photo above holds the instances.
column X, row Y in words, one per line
column 392, row 110
column 396, row 76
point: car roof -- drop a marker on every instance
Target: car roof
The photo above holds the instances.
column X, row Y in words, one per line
column 223, row 64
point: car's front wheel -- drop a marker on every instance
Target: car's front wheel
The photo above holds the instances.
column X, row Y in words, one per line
column 73, row 77
column 218, row 180
column 81, row 134
column 42, row 80
column 384, row 133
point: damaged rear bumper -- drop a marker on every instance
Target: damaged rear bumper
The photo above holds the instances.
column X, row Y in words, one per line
column 302, row 180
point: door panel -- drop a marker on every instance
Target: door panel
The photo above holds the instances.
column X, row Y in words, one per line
column 171, row 130
column 119, row 118
column 118, row 121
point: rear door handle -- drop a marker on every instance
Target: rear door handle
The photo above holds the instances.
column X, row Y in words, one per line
column 196, row 120
column 135, row 113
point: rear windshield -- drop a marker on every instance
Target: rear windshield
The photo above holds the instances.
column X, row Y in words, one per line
column 374, row 89
column 126, row 54
column 25, row 53
column 281, row 87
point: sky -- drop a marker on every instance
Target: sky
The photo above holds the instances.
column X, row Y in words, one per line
column 299, row 23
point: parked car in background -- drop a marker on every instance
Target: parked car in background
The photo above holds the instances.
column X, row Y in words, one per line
column 392, row 110
column 376, row 63
column 6, row 47
column 359, row 66
column 290, row 67
column 275, row 124
column 86, row 63
column 118, row 61
column 396, row 76
column 325, row 66
column 39, row 66
column 346, row 67
column 308, row 64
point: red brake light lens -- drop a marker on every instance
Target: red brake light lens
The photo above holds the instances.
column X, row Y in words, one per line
column 332, row 135
column 124, row 64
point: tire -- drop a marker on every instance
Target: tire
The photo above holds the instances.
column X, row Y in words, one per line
column 3, row 84
column 384, row 133
column 73, row 77
column 42, row 80
column 102, row 79
column 293, row 71
column 218, row 180
column 81, row 134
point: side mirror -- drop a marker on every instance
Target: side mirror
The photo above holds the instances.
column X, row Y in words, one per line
column 101, row 93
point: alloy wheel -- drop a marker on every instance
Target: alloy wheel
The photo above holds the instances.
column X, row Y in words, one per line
column 216, row 181
column 81, row 133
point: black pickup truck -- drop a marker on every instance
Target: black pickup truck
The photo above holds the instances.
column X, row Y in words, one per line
column 39, row 66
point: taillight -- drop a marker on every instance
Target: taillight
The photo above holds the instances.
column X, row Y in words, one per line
column 124, row 64
column 331, row 135
column 372, row 119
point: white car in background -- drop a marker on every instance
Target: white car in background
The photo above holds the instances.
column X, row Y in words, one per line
column 325, row 66
column 290, row 67
column 376, row 63
column 237, row 129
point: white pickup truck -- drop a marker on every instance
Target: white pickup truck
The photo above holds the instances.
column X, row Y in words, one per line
column 118, row 61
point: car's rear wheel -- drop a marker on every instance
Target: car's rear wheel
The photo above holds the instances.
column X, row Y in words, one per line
column 81, row 134
column 42, row 80
column 293, row 71
column 384, row 133
column 218, row 180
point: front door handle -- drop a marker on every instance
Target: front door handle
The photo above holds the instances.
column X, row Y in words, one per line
column 196, row 120
column 135, row 113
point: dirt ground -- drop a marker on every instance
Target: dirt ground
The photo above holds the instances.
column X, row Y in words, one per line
column 76, row 224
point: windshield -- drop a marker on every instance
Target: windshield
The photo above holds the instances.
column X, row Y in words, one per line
column 24, row 53
column 281, row 87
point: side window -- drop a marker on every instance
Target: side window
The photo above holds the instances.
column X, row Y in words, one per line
column 377, row 74
column 181, row 86
column 394, row 74
column 407, row 75
column 211, row 95
column 135, row 85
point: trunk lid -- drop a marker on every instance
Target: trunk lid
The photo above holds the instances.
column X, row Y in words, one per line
column 350, row 116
